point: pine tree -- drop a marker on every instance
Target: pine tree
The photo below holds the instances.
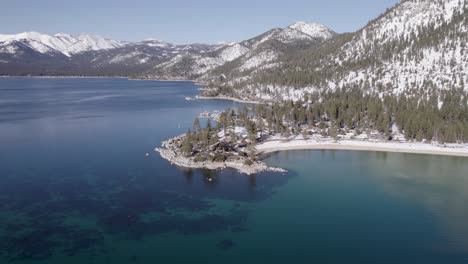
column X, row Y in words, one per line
column 187, row 144
column 196, row 126
column 252, row 132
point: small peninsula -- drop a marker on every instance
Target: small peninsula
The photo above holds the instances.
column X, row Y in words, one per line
column 240, row 137
column 229, row 144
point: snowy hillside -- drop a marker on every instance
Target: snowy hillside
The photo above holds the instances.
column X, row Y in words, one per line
column 232, row 52
column 418, row 44
column 417, row 47
column 190, row 65
column 260, row 51
column 268, row 49
column 305, row 32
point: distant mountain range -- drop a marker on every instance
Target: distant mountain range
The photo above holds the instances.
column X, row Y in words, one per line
column 33, row 53
column 59, row 43
column 417, row 44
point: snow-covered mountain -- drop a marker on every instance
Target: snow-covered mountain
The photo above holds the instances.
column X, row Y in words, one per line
column 268, row 48
column 64, row 54
column 63, row 43
column 147, row 52
column 191, row 65
column 242, row 56
column 418, row 44
column 417, row 47
column 302, row 31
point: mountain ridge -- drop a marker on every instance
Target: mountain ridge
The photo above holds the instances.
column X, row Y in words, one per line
column 248, row 53
column 416, row 45
column 64, row 43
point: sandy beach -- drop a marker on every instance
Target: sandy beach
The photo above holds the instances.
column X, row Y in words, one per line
column 403, row 147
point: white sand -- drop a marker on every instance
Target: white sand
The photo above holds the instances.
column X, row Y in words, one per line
column 403, row 147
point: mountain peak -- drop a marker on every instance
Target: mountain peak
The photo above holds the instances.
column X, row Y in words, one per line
column 314, row 30
column 62, row 35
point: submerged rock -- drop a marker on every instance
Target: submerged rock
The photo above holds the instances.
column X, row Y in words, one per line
column 225, row 244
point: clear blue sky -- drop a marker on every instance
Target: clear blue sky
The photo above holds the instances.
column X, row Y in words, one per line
column 182, row 21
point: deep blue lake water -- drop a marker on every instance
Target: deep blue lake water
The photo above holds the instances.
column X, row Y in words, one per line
column 76, row 187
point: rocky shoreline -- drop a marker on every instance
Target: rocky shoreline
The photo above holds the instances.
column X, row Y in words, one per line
column 172, row 153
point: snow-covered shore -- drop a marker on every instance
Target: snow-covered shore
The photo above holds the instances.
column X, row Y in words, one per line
column 299, row 143
column 275, row 144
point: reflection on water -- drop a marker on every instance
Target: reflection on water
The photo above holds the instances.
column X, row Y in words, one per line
column 377, row 207
column 439, row 183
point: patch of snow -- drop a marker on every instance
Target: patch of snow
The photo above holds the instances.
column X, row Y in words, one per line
column 289, row 35
column 258, row 59
column 233, row 52
column 130, row 56
column 8, row 49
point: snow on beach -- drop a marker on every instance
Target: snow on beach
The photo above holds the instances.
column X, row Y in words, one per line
column 297, row 143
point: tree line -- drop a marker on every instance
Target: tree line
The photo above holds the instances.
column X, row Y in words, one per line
column 440, row 116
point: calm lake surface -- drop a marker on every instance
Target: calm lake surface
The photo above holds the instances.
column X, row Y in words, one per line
column 76, row 187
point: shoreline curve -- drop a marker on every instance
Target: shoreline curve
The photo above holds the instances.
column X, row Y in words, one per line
column 337, row 146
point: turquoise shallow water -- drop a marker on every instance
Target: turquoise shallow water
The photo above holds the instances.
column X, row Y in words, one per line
column 76, row 187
